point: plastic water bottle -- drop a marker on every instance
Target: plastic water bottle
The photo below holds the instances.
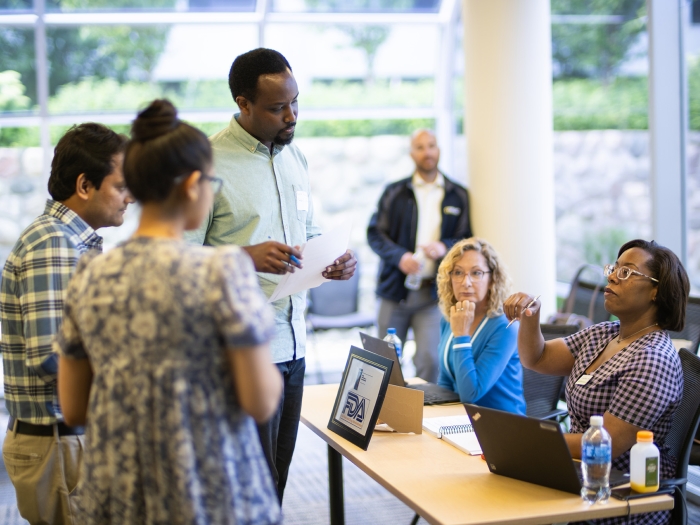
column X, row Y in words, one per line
column 414, row 280
column 644, row 463
column 391, row 337
column 596, row 456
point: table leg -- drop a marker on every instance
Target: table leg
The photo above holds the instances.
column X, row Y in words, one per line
column 335, row 486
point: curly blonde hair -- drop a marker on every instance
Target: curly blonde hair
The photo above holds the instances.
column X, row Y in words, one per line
column 499, row 286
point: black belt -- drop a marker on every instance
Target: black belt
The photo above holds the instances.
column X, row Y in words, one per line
column 29, row 429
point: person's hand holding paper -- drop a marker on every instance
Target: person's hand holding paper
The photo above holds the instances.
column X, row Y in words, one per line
column 342, row 268
column 322, row 261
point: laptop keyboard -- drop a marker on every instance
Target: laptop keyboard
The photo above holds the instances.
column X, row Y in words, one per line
column 429, row 397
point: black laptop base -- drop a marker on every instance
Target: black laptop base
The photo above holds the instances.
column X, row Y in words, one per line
column 529, row 449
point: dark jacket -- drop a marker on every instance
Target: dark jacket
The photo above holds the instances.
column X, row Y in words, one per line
column 392, row 230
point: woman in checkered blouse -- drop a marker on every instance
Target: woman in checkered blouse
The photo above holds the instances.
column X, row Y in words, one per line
column 627, row 370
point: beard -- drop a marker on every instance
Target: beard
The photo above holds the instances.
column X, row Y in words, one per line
column 428, row 165
column 280, row 141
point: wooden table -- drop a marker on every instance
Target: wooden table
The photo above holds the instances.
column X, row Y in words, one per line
column 444, row 485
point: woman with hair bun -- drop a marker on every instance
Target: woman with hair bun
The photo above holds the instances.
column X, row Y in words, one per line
column 164, row 353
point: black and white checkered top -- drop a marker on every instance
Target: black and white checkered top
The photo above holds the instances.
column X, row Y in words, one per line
column 641, row 384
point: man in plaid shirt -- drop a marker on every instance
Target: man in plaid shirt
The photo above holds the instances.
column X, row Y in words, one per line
column 42, row 454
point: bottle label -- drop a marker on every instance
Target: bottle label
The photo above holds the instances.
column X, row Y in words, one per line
column 651, row 472
column 596, row 453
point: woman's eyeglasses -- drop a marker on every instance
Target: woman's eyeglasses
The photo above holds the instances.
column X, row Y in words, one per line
column 474, row 276
column 623, row 272
column 216, row 183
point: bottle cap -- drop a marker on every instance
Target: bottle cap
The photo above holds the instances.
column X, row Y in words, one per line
column 391, row 330
column 645, row 436
column 596, row 421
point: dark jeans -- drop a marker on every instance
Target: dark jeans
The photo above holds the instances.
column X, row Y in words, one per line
column 279, row 435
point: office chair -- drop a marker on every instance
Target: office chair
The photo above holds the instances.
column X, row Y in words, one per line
column 680, row 438
column 541, row 393
column 555, row 331
column 334, row 305
column 691, row 332
column 586, row 294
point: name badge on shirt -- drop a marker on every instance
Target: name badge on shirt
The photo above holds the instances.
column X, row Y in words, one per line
column 451, row 210
column 584, row 379
column 302, row 201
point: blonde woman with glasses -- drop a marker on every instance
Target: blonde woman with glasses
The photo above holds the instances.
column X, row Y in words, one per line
column 478, row 355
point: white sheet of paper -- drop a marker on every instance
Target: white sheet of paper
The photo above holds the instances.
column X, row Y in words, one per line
column 319, row 253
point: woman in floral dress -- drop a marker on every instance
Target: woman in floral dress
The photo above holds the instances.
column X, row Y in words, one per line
column 163, row 353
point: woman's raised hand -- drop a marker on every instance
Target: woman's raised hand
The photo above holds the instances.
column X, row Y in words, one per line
column 461, row 317
column 521, row 305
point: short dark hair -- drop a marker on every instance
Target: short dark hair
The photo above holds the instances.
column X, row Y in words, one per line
column 247, row 68
column 87, row 148
column 161, row 149
column 673, row 285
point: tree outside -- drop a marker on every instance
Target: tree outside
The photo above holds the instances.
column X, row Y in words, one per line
column 595, row 50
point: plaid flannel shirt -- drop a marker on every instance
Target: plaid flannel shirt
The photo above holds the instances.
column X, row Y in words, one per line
column 32, row 291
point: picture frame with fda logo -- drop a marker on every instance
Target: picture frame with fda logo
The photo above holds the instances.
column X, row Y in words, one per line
column 360, row 396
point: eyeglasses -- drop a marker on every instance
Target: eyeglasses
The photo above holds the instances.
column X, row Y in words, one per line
column 623, row 272
column 216, row 183
column 474, row 276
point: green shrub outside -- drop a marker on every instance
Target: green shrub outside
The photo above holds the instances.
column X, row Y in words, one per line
column 584, row 104
column 13, row 98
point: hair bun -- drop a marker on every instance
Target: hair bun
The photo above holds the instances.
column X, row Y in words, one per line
column 159, row 118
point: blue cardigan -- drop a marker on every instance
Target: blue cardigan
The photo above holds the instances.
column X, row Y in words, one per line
column 487, row 372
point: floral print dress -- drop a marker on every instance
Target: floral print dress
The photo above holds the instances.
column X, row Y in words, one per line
column 166, row 440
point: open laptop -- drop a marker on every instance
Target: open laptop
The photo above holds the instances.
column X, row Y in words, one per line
column 529, row 449
column 432, row 393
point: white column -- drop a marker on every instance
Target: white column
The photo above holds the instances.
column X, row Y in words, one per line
column 667, row 124
column 508, row 124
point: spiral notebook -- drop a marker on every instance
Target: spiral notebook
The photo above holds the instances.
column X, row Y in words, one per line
column 455, row 430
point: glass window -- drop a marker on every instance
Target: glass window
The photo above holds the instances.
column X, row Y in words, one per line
column 121, row 68
column 22, row 185
column 15, row 6
column 18, row 137
column 356, row 6
column 17, row 71
column 71, row 6
column 601, row 150
column 222, row 5
column 359, row 66
column 691, row 40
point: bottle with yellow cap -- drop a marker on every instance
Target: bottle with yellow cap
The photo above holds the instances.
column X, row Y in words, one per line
column 644, row 463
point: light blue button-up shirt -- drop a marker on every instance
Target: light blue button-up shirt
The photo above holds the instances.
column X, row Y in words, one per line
column 264, row 197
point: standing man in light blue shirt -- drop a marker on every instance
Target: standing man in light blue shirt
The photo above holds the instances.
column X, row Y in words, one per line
column 265, row 207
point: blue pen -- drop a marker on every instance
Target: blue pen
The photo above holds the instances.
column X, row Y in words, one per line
column 291, row 257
